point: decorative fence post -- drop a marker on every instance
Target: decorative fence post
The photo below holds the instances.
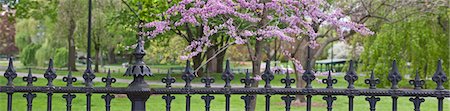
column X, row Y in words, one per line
column 138, row 71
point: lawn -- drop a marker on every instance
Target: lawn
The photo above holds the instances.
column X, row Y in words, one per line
column 155, row 103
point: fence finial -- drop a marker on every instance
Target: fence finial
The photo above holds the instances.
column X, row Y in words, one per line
column 394, row 76
column 372, row 81
column 168, row 80
column 329, row 80
column 351, row 75
column 50, row 73
column 69, row 79
column 29, row 78
column 139, row 68
column 268, row 75
column 108, row 80
column 88, row 75
column 287, row 80
column 439, row 76
column 227, row 75
column 417, row 83
column 10, row 73
column 247, row 80
column 188, row 75
column 308, row 76
column 208, row 81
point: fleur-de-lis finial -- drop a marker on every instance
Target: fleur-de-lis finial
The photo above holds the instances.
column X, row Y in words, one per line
column 29, row 78
column 268, row 75
column 394, row 76
column 208, row 81
column 88, row 75
column 287, row 80
column 227, row 75
column 308, row 75
column 351, row 75
column 417, row 83
column 10, row 73
column 108, row 79
column 50, row 74
column 188, row 75
column 372, row 81
column 329, row 80
column 69, row 79
column 247, row 80
column 439, row 76
column 168, row 80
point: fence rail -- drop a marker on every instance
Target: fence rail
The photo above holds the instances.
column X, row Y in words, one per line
column 139, row 91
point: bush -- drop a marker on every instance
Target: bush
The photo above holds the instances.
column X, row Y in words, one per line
column 27, row 56
column 61, row 57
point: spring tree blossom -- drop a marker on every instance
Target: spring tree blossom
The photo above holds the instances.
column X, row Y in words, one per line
column 287, row 20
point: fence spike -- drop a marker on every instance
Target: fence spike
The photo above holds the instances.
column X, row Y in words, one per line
column 417, row 101
column 88, row 75
column 287, row 101
column 394, row 76
column 308, row 75
column 69, row 79
column 208, row 81
column 247, row 80
column 268, row 75
column 69, row 97
column 287, row 80
column 168, row 80
column 351, row 76
column 329, row 80
column 10, row 73
column 439, row 76
column 168, row 99
column 188, row 75
column 372, row 81
column 208, row 100
column 227, row 75
column 373, row 102
column 417, row 82
column 29, row 78
column 329, row 99
column 247, row 99
column 108, row 80
column 108, row 97
column 50, row 74
column 29, row 96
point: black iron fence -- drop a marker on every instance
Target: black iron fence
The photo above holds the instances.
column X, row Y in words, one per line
column 139, row 91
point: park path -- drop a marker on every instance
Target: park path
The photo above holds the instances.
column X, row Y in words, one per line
column 127, row 81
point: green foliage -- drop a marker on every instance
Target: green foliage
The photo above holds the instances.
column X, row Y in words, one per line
column 165, row 52
column 26, row 31
column 418, row 41
column 27, row 57
column 61, row 57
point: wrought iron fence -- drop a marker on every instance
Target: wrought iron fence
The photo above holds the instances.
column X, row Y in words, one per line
column 139, row 91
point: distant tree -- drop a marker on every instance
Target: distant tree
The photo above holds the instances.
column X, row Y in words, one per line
column 7, row 30
column 416, row 43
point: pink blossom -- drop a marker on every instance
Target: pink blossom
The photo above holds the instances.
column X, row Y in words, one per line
column 257, row 78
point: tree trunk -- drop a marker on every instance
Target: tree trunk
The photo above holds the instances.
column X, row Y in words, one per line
column 111, row 56
column 72, row 51
column 256, row 69
column 219, row 59
column 97, row 57
column 211, row 65
column 198, row 59
column 299, row 84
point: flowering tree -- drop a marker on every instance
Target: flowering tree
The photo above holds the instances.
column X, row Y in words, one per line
column 253, row 23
